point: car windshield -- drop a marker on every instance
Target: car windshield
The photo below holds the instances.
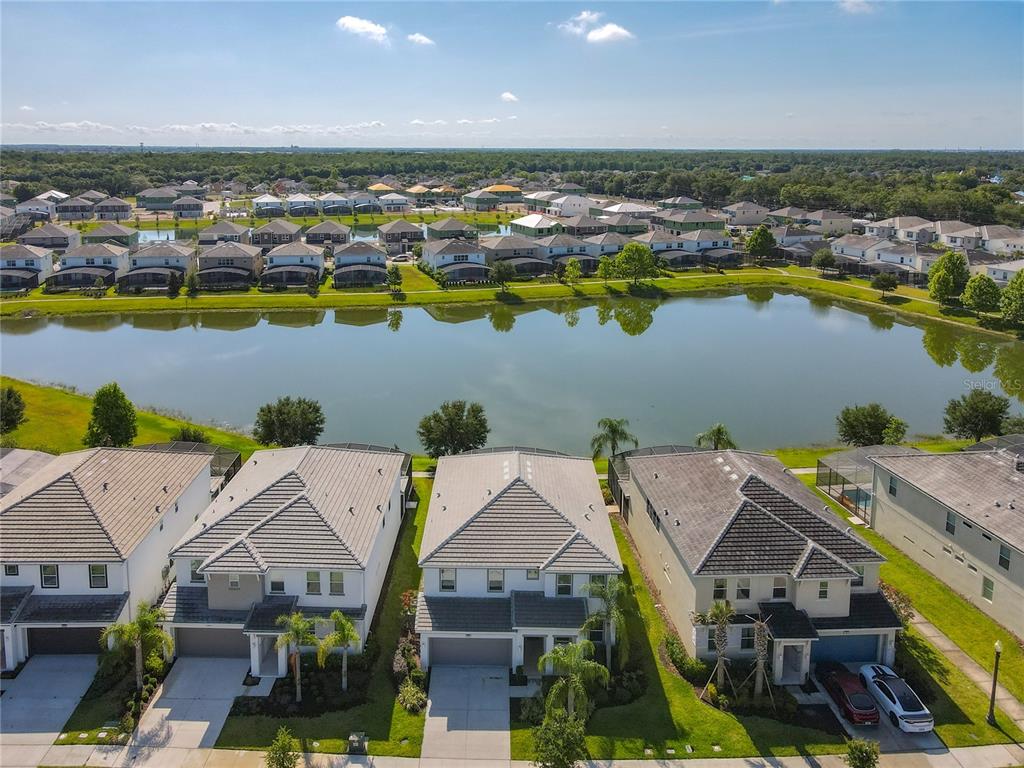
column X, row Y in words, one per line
column 907, row 698
column 861, row 701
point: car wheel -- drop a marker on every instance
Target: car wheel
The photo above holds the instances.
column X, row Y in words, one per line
column 894, row 720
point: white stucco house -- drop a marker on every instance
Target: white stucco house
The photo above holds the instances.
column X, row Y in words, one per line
column 744, row 213
column 458, row 259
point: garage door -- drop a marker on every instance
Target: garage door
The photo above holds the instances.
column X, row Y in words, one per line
column 845, row 648
column 64, row 640
column 464, row 651
column 194, row 641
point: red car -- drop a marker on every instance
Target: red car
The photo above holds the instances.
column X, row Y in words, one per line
column 848, row 693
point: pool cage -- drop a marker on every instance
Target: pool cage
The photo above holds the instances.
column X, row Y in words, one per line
column 847, row 476
column 1012, row 443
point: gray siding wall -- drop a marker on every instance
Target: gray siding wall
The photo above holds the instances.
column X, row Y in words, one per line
column 220, row 596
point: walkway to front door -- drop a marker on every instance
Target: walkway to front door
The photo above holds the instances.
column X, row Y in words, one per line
column 467, row 716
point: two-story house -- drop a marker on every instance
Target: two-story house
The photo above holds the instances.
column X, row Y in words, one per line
column 85, row 539
column 607, row 244
column 74, row 209
column 293, row 263
column 960, row 516
column 113, row 209
column 268, row 205
column 188, row 207
column 676, row 222
column 52, row 236
column 535, row 225
column 829, row 223
column 229, row 264
column 744, row 214
column 224, row 232
column 333, row 204
column 457, row 259
column 624, row 224
column 513, row 537
column 519, row 251
column 39, row 208
column 153, row 264
column 156, row 198
column 360, row 263
column 400, row 236
column 300, row 204
column 309, row 529
column 328, row 234
column 450, row 229
column 736, row 526
column 24, row 266
column 83, row 265
column 584, row 226
column 112, row 232
column 275, row 233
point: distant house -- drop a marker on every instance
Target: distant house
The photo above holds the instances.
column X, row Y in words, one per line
column 584, row 226
column 569, row 205
column 191, row 188
column 55, row 195
column 224, row 232
column 888, row 228
column 569, row 188
column 94, row 196
column 665, row 246
column 945, row 228
column 677, row 222
column 52, row 236
column 450, row 229
column 559, row 248
column 363, row 202
column 380, row 188
column 83, row 265
column 857, row 247
column 829, row 222
column 480, row 201
column 506, row 193
column 744, row 213
column 636, row 210
column 360, row 263
column 292, row 263
column 392, row 202
column 300, row 204
column 789, row 215
column 38, row 208
column 275, row 233
column 152, row 265
column 24, row 266
column 74, row 209
column 421, row 194
column 229, row 264
column 328, row 234
column 1004, row 271
column 113, row 209
column 333, row 204
column 704, row 240
column 537, row 202
column 458, row 259
column 607, row 244
column 399, row 236
column 113, row 232
column 519, row 251
column 156, row 198
column 266, row 206
column 187, row 208
column 787, row 234
column 681, row 203
column 625, row 224
column 535, row 225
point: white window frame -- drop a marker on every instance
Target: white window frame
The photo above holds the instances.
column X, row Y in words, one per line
column 43, row 576
column 441, row 580
column 559, row 584
column 92, row 576
column 311, row 581
column 341, row 579
column 495, row 580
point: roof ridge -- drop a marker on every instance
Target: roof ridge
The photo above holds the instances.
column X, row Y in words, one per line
column 333, row 530
column 471, row 518
column 92, row 509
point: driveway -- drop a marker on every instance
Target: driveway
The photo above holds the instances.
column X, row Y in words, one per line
column 193, row 704
column 467, row 717
column 38, row 702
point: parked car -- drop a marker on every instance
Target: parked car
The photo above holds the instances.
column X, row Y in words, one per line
column 848, row 693
column 896, row 699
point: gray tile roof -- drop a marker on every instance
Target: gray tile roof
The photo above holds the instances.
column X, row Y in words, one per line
column 163, row 249
column 359, row 248
column 224, row 228
column 535, row 609
column 816, row 563
column 399, row 225
column 785, row 622
column 264, row 614
column 560, row 240
column 608, row 238
column 463, row 614
column 11, row 601
column 296, row 248
column 231, row 250
column 19, row 464
column 451, row 224
column 49, row 230
column 71, row 609
column 189, row 605
column 278, row 227
column 329, row 227
column 111, row 229
column 868, row 610
column 356, row 613
column 451, row 247
column 18, row 251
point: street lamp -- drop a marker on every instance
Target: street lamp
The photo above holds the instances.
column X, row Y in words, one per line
column 995, row 677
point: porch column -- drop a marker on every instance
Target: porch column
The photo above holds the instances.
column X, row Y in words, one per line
column 549, row 644
column 888, row 651
column 425, row 651
column 254, row 655
column 8, row 644
column 805, row 660
column 517, row 650
column 777, row 663
column 282, row 661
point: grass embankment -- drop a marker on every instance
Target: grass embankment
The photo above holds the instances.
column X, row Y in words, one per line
column 390, row 729
column 807, row 456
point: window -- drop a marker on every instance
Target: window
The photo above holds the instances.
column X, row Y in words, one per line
column 312, row 582
column 892, row 485
column 532, row 574
column 446, row 578
column 495, row 580
column 721, row 590
column 233, row 581
column 337, row 583
column 49, row 576
column 988, row 588
column 10, row 570
column 950, row 523
column 823, row 590
column 859, row 581
column 779, row 588
column 743, row 589
column 276, row 586
column 563, row 584
column 1004, row 557
column 747, row 639
column 598, row 578
column 193, row 571
column 971, row 566
column 97, row 577
column 596, row 635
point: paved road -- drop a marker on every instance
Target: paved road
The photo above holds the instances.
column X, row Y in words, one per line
column 467, row 718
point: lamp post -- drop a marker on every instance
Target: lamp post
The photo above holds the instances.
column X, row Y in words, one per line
column 995, row 677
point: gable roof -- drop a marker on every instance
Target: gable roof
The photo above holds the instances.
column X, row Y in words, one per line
column 231, row 249
column 451, row 224
column 451, row 247
column 296, row 248
column 329, row 227
column 19, row 251
column 223, row 227
column 536, row 221
column 113, row 202
column 399, row 225
column 359, row 248
column 111, row 229
column 278, row 227
column 162, row 249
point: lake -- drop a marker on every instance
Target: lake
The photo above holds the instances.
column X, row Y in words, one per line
column 776, row 368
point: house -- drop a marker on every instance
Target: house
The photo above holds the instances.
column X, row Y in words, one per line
column 37, row 208
column 569, row 205
column 635, row 210
column 521, row 252
column 584, row 226
column 224, row 232
column 187, row 208
column 677, row 222
column 267, row 206
column 153, row 264
column 1003, row 240
column 156, row 198
column 789, row 215
column 562, row 247
column 744, row 213
column 458, row 259
column 787, row 234
column 736, row 526
column 191, row 188
column 399, row 235
column 958, row 516
column 360, row 263
column 328, row 234
column 85, row 539
column 393, row 202
column 537, row 202
column 449, row 229
column 680, row 203
column 74, row 209
column 479, row 201
column 229, row 264
column 704, row 240
column 112, row 232
column 54, row 195
column 363, row 202
column 308, row 529
column 1004, row 271
column 421, row 194
column 659, row 240
column 506, row 193
column 608, row 244
column 625, row 224
column 333, row 204
column 829, row 222
column 292, row 263
column 512, row 541
column 445, row 193
column 52, row 236
column 24, row 266
column 94, row 196
column 535, row 225
column 113, row 209
column 380, row 188
column 889, row 228
column 857, row 247
column 300, row 204
column 275, row 233
column 16, row 466
column 83, row 265
column 905, row 258
column 569, row 188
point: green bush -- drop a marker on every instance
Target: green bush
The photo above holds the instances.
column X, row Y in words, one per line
column 419, row 677
column 127, row 723
column 531, row 710
column 693, row 670
column 411, row 696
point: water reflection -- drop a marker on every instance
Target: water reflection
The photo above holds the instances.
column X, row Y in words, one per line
column 940, row 342
column 759, row 296
column 395, row 318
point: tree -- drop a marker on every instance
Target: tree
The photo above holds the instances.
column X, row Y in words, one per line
column 174, row 284
column 312, row 284
column 281, row 753
column 885, row 282
column 113, row 419
column 573, row 272
column 12, row 409
column 417, row 251
column 342, row 636
column 144, row 634
column 862, row 753
column 559, row 741
column 606, row 268
column 576, row 671
column 394, row 278
column 187, row 433
column 502, row 272
column 612, row 433
column 761, row 243
column 1011, row 303
column 716, row 436
column 981, row 294
column 614, row 594
column 863, row 424
column 191, row 282
column 456, row 426
column 1013, row 425
column 948, row 277
column 719, row 616
column 395, row 318
column 976, row 415
column 823, row 260
column 894, row 431
column 636, row 262
column 289, row 421
column 296, row 631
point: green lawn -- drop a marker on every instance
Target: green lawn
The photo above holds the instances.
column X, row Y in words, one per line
column 414, row 279
column 56, row 421
column 94, row 714
column 391, row 730
column 807, row 456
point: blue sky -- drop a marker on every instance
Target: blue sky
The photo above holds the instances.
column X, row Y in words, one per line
column 852, row 73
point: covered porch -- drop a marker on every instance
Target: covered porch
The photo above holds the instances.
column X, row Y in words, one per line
column 289, row 274
column 158, row 277
column 81, row 277
column 360, row 274
column 224, row 277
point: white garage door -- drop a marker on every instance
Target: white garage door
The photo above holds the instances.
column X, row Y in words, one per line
column 196, row 641
column 465, row 651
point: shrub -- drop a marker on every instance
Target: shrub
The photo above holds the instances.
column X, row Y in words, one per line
column 861, row 753
column 419, row 677
column 531, row 710
column 399, row 666
column 127, row 723
column 411, row 696
column 693, row 670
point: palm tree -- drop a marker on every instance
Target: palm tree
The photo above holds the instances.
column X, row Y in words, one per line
column 721, row 614
column 614, row 595
column 296, row 631
column 613, row 433
column 716, row 436
column 143, row 633
column 343, row 635
column 576, row 670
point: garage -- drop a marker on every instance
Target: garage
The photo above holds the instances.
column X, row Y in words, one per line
column 201, row 641
column 52, row 640
column 471, row 651
column 845, row 648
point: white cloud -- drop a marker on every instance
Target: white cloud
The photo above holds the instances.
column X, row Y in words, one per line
column 856, row 6
column 417, row 121
column 464, row 121
column 418, row 38
column 364, row 28
column 512, row 117
column 196, row 129
column 609, row 33
column 509, row 97
column 581, row 22
column 26, row 108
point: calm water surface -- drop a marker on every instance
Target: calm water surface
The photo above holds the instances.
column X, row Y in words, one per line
column 775, row 368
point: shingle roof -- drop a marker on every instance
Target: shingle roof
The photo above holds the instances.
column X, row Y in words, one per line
column 560, row 240
column 451, row 247
column 868, row 610
column 328, row 227
column 113, row 202
column 534, row 609
column 451, row 224
column 359, row 248
column 399, row 225
column 296, row 248
column 535, row 221
column 50, row 230
column 608, row 238
column 71, row 609
column 11, row 601
column 111, row 229
column 507, row 242
column 278, row 227
column 231, row 250
column 463, row 614
column 190, row 605
column 224, row 228
column 163, row 249
column 264, row 614
column 785, row 622
column 18, row 251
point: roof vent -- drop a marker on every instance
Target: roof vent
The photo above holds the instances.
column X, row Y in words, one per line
column 379, row 508
column 380, row 470
column 351, row 510
column 655, row 475
column 106, row 485
column 158, row 509
column 165, row 489
column 1019, row 465
column 231, row 498
column 444, row 507
column 677, row 522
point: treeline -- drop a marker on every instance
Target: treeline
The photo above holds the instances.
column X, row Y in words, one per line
column 934, row 185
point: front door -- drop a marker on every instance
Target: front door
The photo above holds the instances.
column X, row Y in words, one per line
column 792, row 664
column 533, row 649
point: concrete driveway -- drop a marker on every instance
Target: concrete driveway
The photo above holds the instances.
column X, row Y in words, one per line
column 467, row 717
column 193, row 704
column 38, row 702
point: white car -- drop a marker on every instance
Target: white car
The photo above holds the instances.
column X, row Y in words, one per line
column 896, row 699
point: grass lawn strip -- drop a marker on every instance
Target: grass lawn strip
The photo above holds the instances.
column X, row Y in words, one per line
column 93, row 716
column 414, row 279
